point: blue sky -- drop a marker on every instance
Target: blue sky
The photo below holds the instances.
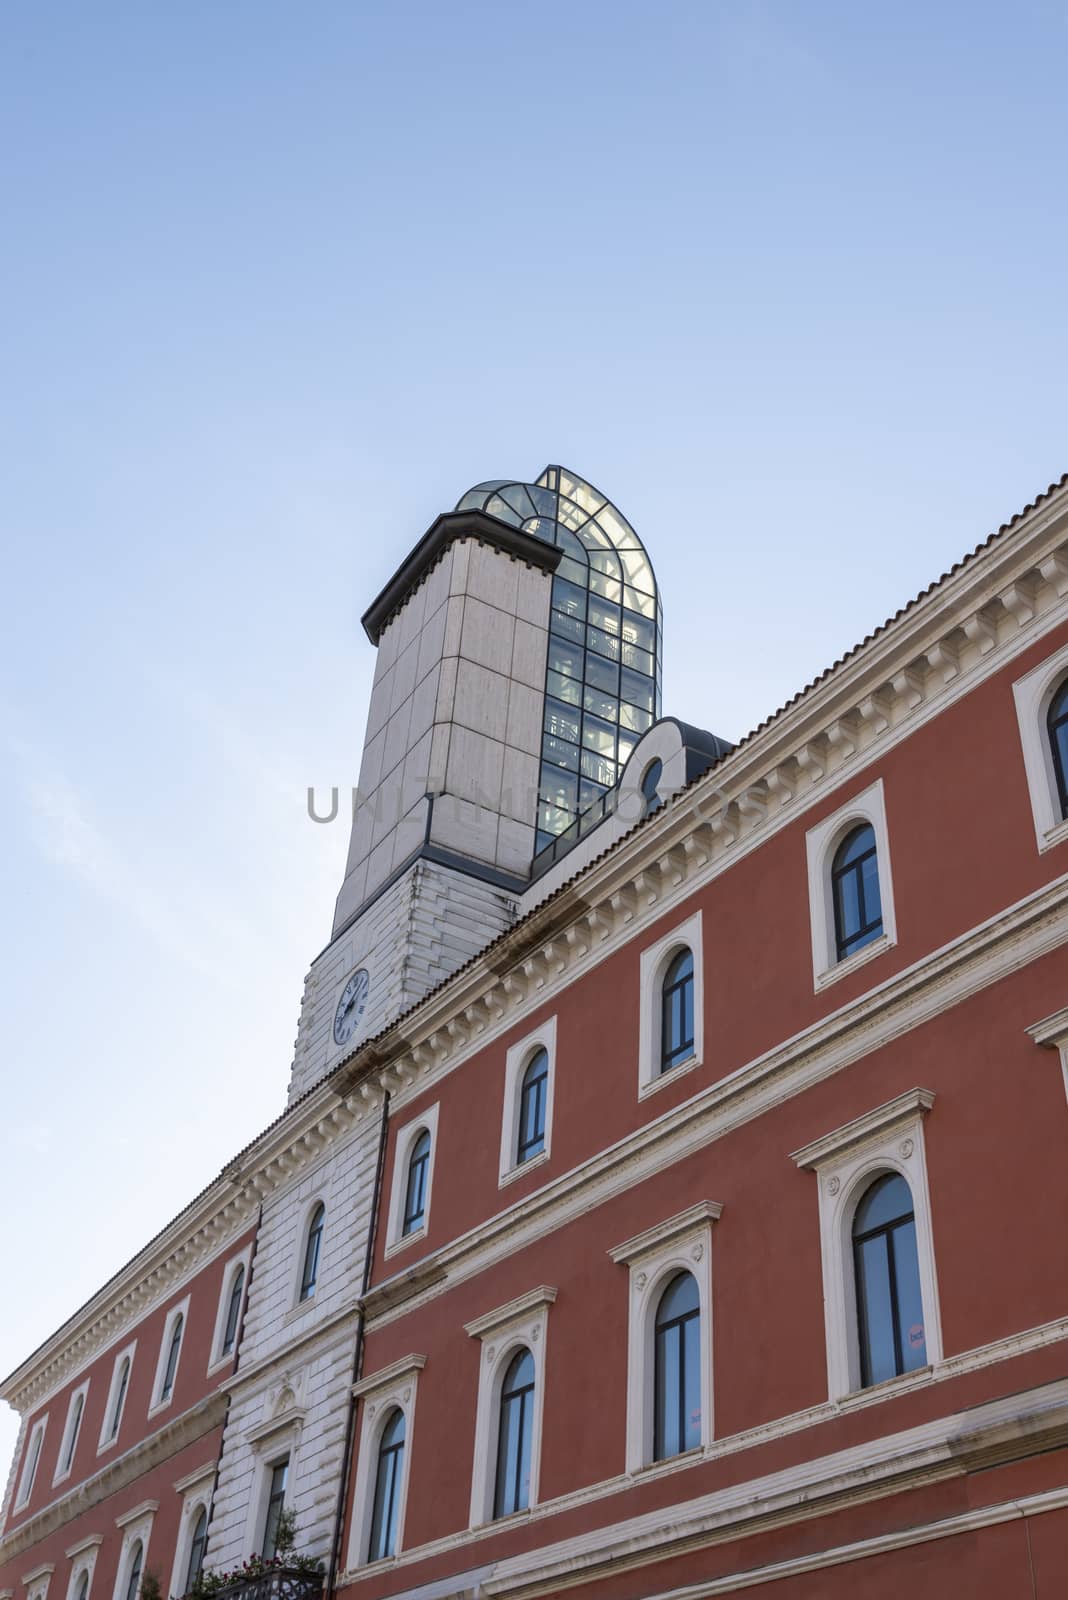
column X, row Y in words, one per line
column 279, row 283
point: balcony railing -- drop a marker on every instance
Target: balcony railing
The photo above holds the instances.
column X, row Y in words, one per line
column 280, row 1583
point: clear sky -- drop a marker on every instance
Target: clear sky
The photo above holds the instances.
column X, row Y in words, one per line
column 280, row 282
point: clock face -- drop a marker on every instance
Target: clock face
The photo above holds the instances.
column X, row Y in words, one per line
column 350, row 1007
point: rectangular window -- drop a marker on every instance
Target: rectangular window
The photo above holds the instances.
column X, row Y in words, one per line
column 276, row 1500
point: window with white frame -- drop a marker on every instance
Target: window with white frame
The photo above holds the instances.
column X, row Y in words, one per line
column 68, row 1444
column 511, row 1400
column 413, row 1180
column 880, row 1289
column 82, row 1558
column 191, row 1544
column 850, row 890
column 170, row 1348
column 117, row 1391
column 671, row 1007
column 526, row 1126
column 136, row 1526
column 231, row 1304
column 1041, row 697
column 31, row 1461
column 669, row 1336
column 277, row 1484
column 387, row 1426
column 38, row 1580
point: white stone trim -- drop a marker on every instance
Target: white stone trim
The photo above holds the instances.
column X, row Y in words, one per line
column 888, row 1139
column 286, row 1442
column 37, row 1581
column 682, row 1243
column 517, row 1059
column 63, row 1471
column 218, row 1361
column 160, row 1402
column 521, row 1324
column 31, row 1461
column 654, row 962
column 82, row 1557
column 821, row 842
column 1033, row 694
column 405, row 1143
column 394, row 1388
column 136, row 1526
column 196, row 1490
column 1052, row 1034
column 108, row 1435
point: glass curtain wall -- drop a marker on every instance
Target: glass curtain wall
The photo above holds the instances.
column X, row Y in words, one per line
column 602, row 688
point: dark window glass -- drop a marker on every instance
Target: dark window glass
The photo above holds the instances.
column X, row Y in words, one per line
column 386, row 1512
column 120, row 1396
column 133, row 1582
column 233, row 1311
column 677, row 1369
column 196, row 1550
column 858, row 912
column 650, row 778
column 415, row 1193
column 1057, row 727
column 512, row 1487
column 532, row 1107
column 311, row 1253
column 76, row 1422
column 172, row 1359
column 275, row 1502
column 887, row 1270
column 83, row 1585
column 676, row 1014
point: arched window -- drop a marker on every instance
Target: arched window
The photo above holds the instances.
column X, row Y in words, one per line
column 196, row 1550
column 532, row 1096
column 1057, row 728
column 311, row 1253
column 82, row 1591
column 75, row 1425
column 386, row 1513
column 120, row 1397
column 677, row 1369
column 887, row 1273
column 415, row 1191
column 233, row 1311
column 676, row 1012
column 858, row 912
column 650, row 778
column 133, row 1582
column 514, row 1436
column 172, row 1358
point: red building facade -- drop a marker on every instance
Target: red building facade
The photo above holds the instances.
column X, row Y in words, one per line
column 698, row 1235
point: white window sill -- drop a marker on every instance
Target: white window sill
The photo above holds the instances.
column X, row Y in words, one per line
column 661, row 1469
column 160, row 1405
column 220, row 1365
column 903, row 1383
column 672, row 1075
column 294, row 1313
column 1054, row 836
column 842, row 969
column 396, row 1245
column 525, row 1166
column 61, row 1477
column 108, row 1444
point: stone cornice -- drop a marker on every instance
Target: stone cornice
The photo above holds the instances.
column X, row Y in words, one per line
column 514, row 1311
column 220, row 1214
column 407, row 1366
column 662, row 1234
column 133, row 1464
column 1051, row 1032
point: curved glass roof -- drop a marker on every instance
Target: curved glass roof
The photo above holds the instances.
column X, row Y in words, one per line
column 602, row 686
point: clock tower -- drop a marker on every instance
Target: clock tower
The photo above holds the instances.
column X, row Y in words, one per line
column 518, row 664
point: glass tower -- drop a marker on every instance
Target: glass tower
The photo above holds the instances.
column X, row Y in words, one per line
column 602, row 684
